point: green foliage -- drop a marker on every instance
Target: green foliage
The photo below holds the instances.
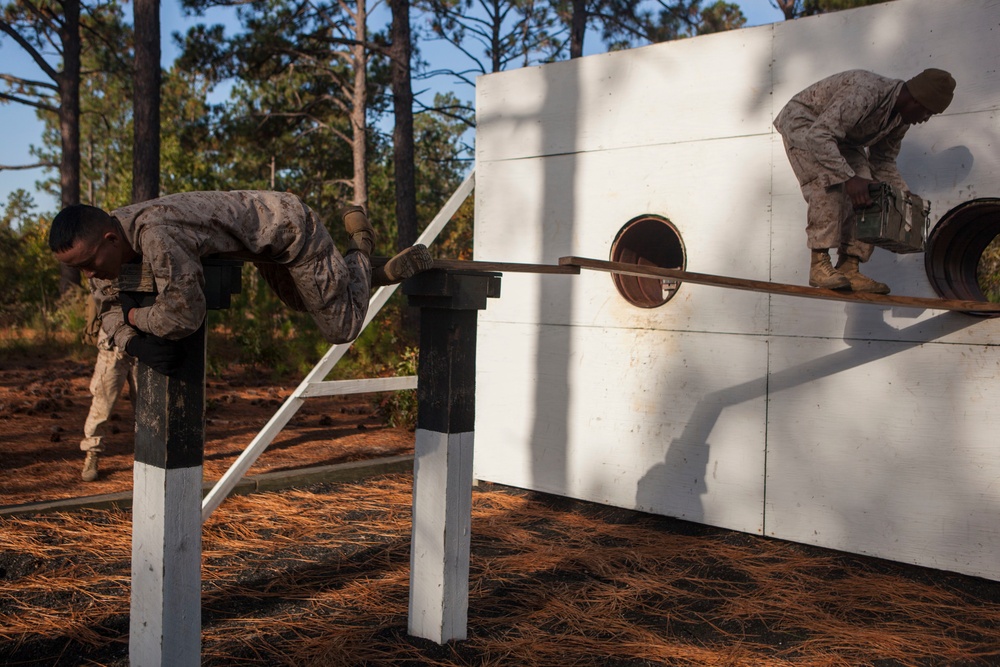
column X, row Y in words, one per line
column 259, row 331
column 793, row 9
column 28, row 271
column 988, row 271
column 68, row 315
column 191, row 148
column 719, row 17
column 399, row 408
column 19, row 210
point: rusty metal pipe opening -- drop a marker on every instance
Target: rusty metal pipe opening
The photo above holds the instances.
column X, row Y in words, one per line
column 955, row 248
column 648, row 240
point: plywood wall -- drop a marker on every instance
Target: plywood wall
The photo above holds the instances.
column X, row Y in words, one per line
column 866, row 429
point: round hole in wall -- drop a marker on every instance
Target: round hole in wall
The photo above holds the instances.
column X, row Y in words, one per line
column 648, row 240
column 962, row 257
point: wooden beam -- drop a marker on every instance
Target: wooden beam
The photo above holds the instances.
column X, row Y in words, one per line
column 360, row 386
column 504, row 267
column 781, row 288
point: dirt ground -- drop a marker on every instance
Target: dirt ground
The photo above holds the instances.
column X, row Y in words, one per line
column 320, row 576
column 44, row 403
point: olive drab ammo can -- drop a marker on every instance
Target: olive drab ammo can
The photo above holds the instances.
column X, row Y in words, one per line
column 897, row 221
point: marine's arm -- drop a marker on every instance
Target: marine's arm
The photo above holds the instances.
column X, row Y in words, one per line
column 179, row 308
column 105, row 294
column 822, row 139
column 882, row 157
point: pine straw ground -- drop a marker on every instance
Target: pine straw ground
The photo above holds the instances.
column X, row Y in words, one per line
column 320, row 577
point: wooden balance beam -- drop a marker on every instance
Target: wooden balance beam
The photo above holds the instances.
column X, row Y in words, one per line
column 572, row 265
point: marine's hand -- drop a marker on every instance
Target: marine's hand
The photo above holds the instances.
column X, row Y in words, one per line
column 162, row 355
column 856, row 188
column 128, row 301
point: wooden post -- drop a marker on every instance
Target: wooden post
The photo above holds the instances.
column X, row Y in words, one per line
column 165, row 622
column 442, row 467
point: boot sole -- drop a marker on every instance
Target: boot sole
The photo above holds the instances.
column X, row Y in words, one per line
column 406, row 264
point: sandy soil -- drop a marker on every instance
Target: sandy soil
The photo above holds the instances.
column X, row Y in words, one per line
column 44, row 402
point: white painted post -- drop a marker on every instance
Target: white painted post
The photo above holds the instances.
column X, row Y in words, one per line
column 165, row 624
column 442, row 472
column 439, row 550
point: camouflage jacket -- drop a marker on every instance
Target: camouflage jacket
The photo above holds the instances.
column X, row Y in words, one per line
column 852, row 109
column 102, row 300
column 174, row 232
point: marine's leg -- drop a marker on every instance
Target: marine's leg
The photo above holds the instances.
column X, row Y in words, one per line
column 335, row 288
column 822, row 232
column 280, row 280
column 851, row 251
column 822, row 229
column 110, row 374
column 849, row 243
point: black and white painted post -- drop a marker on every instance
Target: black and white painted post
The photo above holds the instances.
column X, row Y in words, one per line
column 449, row 302
column 165, row 624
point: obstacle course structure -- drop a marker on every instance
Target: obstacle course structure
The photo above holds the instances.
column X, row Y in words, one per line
column 864, row 427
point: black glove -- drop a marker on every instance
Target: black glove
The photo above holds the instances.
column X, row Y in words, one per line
column 162, row 355
column 128, row 301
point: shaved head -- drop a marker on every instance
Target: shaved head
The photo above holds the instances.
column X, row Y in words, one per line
column 78, row 222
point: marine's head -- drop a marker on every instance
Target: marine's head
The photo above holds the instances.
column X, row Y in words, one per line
column 926, row 94
column 87, row 238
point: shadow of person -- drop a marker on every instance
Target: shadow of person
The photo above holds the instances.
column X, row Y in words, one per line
column 676, row 487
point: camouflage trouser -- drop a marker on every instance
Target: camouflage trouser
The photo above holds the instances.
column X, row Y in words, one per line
column 332, row 288
column 830, row 220
column 112, row 370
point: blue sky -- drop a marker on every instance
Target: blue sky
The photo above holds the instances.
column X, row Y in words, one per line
column 23, row 129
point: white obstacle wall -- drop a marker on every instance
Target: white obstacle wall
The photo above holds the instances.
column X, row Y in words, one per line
column 861, row 428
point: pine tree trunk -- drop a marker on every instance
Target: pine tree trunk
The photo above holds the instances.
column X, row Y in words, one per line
column 146, row 103
column 359, row 108
column 578, row 28
column 69, row 123
column 402, row 134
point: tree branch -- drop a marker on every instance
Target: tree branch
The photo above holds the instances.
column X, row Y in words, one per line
column 10, row 78
column 24, row 44
column 12, row 167
column 30, row 103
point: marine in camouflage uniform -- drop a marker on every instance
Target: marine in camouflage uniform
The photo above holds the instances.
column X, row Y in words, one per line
column 847, row 127
column 295, row 254
column 111, row 371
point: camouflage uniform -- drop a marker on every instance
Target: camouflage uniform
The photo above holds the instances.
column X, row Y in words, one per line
column 837, row 128
column 112, row 370
column 295, row 252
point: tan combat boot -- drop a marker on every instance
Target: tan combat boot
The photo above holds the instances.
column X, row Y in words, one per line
column 848, row 266
column 822, row 274
column 89, row 473
column 360, row 230
column 403, row 265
